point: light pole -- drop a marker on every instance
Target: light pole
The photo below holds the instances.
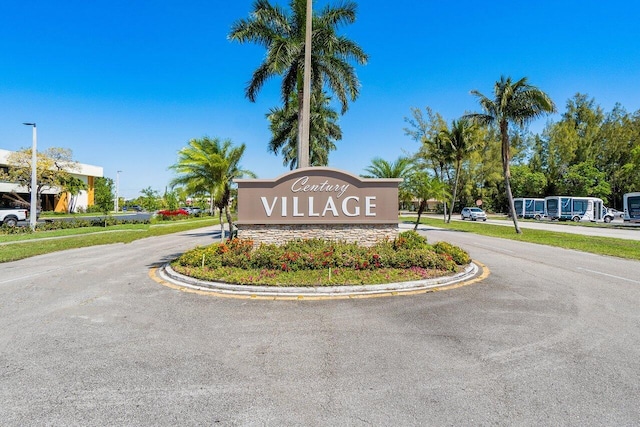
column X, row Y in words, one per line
column 117, row 201
column 33, row 213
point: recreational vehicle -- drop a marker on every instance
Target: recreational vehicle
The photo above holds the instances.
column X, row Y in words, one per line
column 529, row 207
column 568, row 208
column 631, row 203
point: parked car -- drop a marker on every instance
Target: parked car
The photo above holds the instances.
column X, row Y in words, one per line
column 10, row 217
column 193, row 210
column 616, row 213
column 473, row 214
column 136, row 208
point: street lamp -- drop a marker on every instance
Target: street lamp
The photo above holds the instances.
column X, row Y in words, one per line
column 33, row 213
column 117, row 201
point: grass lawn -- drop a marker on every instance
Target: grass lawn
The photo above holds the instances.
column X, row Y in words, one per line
column 621, row 248
column 18, row 246
column 14, row 247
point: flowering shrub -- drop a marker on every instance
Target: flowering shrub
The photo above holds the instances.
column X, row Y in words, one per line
column 407, row 251
column 459, row 256
column 171, row 215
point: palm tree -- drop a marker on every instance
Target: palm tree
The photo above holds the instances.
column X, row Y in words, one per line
column 283, row 123
column 423, row 187
column 461, row 142
column 515, row 102
column 209, row 166
column 401, row 168
column 380, row 168
column 283, row 36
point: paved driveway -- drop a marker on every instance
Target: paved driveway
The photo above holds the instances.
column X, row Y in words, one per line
column 552, row 337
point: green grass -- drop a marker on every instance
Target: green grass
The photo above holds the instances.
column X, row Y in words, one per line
column 622, row 248
column 18, row 246
column 326, row 277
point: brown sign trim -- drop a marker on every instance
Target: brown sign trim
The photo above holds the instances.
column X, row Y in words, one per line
column 318, row 195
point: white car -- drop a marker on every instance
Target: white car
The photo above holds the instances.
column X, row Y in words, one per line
column 474, row 214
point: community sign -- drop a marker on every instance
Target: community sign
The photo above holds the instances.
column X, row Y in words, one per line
column 318, row 195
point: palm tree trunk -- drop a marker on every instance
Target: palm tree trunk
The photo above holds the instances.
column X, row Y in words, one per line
column 300, row 127
column 507, row 173
column 229, row 220
column 444, row 199
column 221, row 225
column 421, row 208
column 455, row 188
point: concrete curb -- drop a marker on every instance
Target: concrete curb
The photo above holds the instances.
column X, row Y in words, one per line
column 471, row 271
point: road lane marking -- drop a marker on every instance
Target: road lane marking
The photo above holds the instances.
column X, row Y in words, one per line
column 608, row 275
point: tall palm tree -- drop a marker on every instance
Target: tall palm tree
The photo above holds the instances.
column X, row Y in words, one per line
column 283, row 36
column 209, row 166
column 283, row 123
column 513, row 102
column 461, row 142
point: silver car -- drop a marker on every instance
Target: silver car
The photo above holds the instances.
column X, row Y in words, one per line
column 474, row 214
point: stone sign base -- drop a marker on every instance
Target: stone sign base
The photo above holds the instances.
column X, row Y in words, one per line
column 364, row 234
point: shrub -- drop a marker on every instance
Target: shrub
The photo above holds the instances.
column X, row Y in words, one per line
column 200, row 255
column 458, row 255
column 410, row 240
column 407, row 251
column 5, row 229
column 172, row 215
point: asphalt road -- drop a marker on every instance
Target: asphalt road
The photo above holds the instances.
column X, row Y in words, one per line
column 552, row 337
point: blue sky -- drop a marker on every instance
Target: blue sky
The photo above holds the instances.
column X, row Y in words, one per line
column 125, row 84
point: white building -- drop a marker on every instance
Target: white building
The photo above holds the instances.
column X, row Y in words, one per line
column 54, row 199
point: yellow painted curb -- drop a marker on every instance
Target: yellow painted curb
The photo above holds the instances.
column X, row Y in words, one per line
column 485, row 273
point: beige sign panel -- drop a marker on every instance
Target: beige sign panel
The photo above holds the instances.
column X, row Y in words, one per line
column 318, row 195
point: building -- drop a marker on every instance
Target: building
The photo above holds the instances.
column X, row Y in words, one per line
column 53, row 199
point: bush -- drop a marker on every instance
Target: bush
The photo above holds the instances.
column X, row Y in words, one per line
column 410, row 240
column 5, row 229
column 407, row 251
column 201, row 255
column 172, row 215
column 458, row 255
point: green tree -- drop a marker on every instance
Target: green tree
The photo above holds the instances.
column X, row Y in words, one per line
column 434, row 152
column 513, row 102
column 380, row 168
column 209, row 166
column 324, row 131
column 462, row 142
column 150, row 199
column 103, row 194
column 282, row 34
column 402, row 167
column 423, row 187
column 526, row 183
column 72, row 186
column 170, row 199
column 584, row 179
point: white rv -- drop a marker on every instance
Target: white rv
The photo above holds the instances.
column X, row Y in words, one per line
column 631, row 203
column 568, row 208
column 528, row 207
